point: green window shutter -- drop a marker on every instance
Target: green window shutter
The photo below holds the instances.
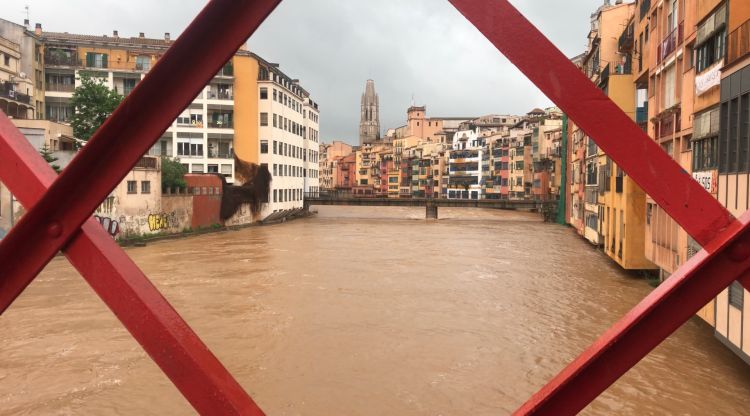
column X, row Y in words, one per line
column 104, row 60
column 89, row 59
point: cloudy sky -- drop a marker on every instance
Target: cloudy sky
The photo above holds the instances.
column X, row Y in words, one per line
column 412, row 48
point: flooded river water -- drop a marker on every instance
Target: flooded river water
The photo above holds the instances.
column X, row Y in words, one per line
column 363, row 311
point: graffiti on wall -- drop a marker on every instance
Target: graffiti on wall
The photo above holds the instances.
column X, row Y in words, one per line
column 162, row 221
column 112, row 227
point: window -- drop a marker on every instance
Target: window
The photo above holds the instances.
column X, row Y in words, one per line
column 96, row 60
column 275, row 195
column 196, row 168
column 189, row 149
column 275, row 169
column 711, row 40
column 263, row 119
column 669, row 87
column 226, row 170
column 274, row 95
column 6, row 59
column 264, row 146
column 132, row 187
column 145, row 187
column 128, row 84
column 736, row 295
column 275, row 124
column 711, row 51
column 213, row 169
column 142, row 63
column 264, row 93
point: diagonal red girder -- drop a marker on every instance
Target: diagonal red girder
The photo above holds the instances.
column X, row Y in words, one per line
column 700, row 214
column 693, row 285
column 115, row 148
column 189, row 64
column 619, row 349
column 159, row 329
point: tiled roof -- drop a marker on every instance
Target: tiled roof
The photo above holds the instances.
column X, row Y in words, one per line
column 132, row 41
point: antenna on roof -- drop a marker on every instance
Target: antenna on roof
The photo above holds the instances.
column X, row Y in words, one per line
column 412, row 100
column 27, row 12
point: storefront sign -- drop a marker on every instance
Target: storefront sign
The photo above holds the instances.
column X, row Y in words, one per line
column 708, row 79
column 707, row 180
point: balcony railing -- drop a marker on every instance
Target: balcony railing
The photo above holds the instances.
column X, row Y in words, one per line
column 669, row 125
column 738, row 43
column 213, row 95
column 60, row 87
column 146, row 163
column 8, row 90
column 669, row 44
column 53, row 59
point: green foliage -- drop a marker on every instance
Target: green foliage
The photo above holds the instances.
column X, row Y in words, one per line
column 92, row 102
column 49, row 158
column 172, row 173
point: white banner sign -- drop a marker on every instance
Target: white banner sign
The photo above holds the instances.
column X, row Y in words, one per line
column 707, row 180
column 708, row 79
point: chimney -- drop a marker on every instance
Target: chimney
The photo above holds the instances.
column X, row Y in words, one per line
column 141, row 35
column 116, row 34
column 26, row 24
column 166, row 35
column 38, row 29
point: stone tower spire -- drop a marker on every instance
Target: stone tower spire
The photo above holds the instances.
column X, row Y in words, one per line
column 369, row 125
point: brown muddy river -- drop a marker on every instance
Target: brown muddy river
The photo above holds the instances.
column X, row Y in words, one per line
column 363, row 311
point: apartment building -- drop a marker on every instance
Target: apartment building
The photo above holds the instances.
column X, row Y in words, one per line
column 30, row 69
column 16, row 89
column 465, row 165
column 730, row 308
column 329, row 154
column 202, row 136
column 288, row 132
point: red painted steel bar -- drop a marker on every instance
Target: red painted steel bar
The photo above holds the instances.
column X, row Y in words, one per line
column 217, row 32
column 693, row 285
column 160, row 330
column 702, row 216
column 643, row 328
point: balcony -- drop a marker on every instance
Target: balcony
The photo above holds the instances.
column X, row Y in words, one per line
column 146, row 163
column 669, row 44
column 669, row 125
column 61, row 58
column 8, row 90
column 738, row 43
column 59, row 87
column 220, row 95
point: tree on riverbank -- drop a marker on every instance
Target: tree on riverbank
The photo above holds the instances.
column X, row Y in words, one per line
column 93, row 101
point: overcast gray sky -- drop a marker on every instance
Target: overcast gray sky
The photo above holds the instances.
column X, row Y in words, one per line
column 419, row 48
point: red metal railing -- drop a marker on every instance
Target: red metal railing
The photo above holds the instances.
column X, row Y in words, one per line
column 57, row 216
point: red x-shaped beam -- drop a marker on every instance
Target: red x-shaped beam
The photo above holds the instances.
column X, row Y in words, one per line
column 55, row 216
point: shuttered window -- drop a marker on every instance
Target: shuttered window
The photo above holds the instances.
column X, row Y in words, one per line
column 736, row 295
